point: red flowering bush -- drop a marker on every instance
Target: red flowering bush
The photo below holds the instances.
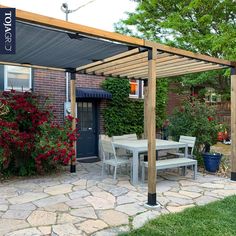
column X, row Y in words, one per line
column 29, row 140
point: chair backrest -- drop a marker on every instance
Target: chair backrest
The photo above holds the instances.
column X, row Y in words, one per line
column 108, row 148
column 104, row 137
column 189, row 140
column 125, row 137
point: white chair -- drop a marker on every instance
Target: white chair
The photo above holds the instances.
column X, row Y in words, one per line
column 125, row 137
column 191, row 143
column 121, row 151
column 110, row 158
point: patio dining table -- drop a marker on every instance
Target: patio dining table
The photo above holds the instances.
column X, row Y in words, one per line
column 141, row 146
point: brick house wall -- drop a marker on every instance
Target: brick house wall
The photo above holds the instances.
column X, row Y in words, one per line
column 91, row 81
column 52, row 84
column 174, row 99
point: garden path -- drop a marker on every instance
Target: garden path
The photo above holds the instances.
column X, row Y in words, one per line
column 87, row 204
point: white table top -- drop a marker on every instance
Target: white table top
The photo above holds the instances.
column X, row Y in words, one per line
column 142, row 144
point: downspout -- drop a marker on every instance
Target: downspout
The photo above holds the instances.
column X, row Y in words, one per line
column 67, row 87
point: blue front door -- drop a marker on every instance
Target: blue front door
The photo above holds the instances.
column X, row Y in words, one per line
column 87, row 144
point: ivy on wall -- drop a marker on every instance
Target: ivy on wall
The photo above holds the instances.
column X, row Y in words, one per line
column 124, row 115
column 161, row 101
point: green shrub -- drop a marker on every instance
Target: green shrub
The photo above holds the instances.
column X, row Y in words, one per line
column 196, row 119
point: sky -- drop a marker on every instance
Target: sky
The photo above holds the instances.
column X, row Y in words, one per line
column 101, row 14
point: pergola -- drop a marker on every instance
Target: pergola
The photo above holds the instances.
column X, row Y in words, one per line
column 45, row 42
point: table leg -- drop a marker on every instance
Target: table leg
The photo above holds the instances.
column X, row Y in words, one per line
column 135, row 166
column 186, row 150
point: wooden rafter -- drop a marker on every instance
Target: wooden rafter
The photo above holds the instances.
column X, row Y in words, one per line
column 173, row 72
column 189, row 54
column 161, row 63
column 96, row 64
column 120, row 65
column 141, row 63
column 191, row 70
column 139, row 56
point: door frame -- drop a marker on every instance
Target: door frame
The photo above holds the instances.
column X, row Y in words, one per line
column 95, row 104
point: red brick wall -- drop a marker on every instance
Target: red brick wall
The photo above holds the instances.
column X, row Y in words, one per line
column 91, row 81
column 174, row 99
column 51, row 83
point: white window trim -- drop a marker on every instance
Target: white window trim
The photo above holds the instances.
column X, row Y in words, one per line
column 6, row 88
column 142, row 88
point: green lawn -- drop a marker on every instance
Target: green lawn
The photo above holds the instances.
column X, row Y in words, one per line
column 215, row 219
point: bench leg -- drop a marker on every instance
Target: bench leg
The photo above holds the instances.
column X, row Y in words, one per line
column 195, row 171
column 143, row 173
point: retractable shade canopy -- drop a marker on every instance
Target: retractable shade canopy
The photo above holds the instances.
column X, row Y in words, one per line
column 47, row 42
column 44, row 46
column 92, row 93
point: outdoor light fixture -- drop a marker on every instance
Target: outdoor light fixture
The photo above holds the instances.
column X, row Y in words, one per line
column 65, row 8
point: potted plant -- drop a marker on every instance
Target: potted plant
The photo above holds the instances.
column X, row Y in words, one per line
column 196, row 118
column 212, row 161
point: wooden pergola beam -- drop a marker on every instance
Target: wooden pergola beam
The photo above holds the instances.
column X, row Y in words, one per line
column 69, row 26
column 233, row 124
column 102, row 34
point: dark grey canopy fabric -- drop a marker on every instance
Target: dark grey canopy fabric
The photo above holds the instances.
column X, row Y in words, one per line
column 43, row 46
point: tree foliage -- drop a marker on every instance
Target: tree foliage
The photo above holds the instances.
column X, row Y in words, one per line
column 203, row 26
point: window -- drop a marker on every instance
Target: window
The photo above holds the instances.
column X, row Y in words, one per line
column 136, row 89
column 17, row 78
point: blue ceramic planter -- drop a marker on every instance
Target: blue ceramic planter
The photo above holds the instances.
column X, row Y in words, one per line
column 212, row 161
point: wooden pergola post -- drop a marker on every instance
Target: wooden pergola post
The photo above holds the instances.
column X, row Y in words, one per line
column 151, row 126
column 145, row 92
column 73, row 109
column 233, row 124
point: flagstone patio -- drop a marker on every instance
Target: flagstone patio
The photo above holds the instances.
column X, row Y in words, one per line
column 87, row 204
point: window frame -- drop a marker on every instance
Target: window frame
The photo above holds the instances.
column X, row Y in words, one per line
column 6, row 88
column 140, row 90
column 134, row 95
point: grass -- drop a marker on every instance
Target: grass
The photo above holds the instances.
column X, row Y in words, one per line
column 214, row 219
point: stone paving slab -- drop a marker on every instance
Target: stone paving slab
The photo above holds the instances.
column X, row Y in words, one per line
column 85, row 203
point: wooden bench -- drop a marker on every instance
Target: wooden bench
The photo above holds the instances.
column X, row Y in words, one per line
column 172, row 163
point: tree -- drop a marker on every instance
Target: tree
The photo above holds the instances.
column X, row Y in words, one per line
column 203, row 26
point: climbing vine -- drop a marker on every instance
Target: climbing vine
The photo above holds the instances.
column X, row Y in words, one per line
column 124, row 115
